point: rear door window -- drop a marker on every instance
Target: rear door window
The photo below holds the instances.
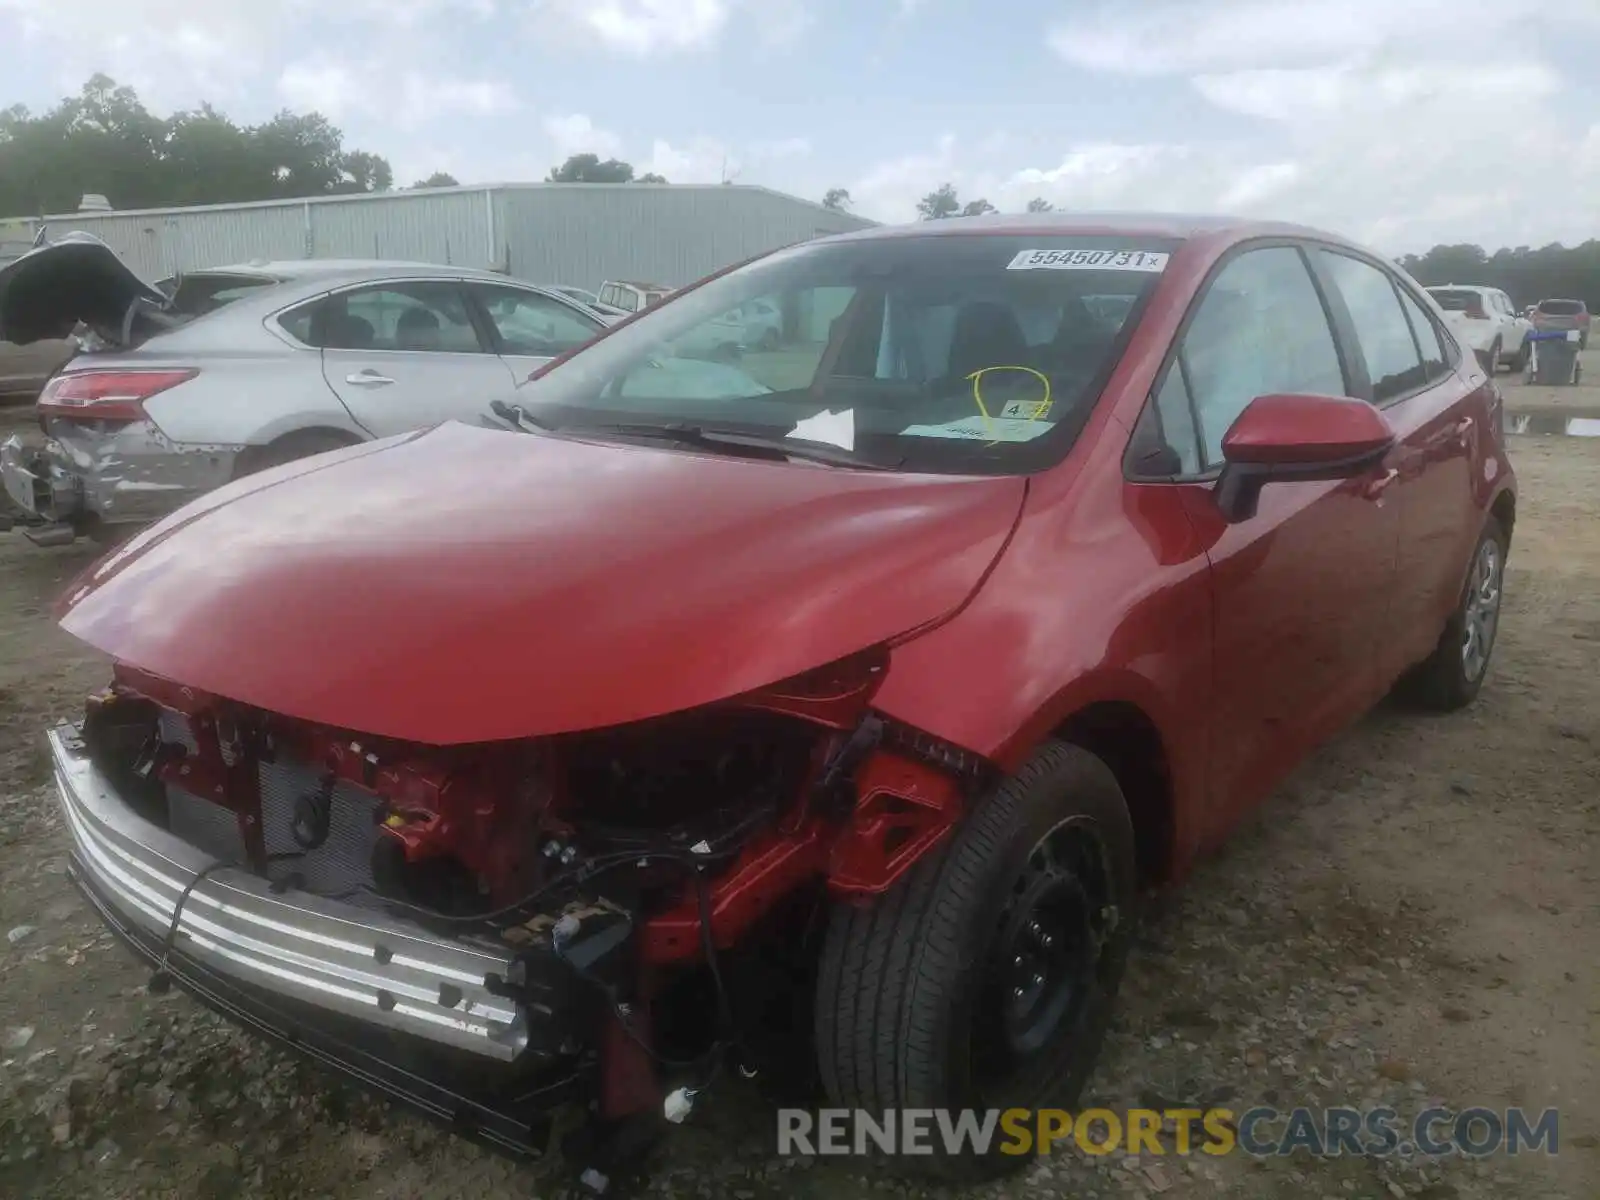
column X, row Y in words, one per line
column 1435, row 359
column 1386, row 343
column 419, row 317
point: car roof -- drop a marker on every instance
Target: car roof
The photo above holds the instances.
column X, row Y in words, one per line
column 1134, row 224
column 321, row 268
column 289, row 291
column 1462, row 287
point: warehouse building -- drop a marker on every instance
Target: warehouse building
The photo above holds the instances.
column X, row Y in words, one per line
column 558, row 233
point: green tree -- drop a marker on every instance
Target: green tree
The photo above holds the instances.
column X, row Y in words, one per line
column 437, row 179
column 940, row 203
column 1040, row 205
column 1525, row 273
column 104, row 140
column 837, row 199
column 978, row 208
column 588, row 168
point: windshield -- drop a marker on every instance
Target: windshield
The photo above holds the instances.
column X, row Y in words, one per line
column 1561, row 308
column 977, row 353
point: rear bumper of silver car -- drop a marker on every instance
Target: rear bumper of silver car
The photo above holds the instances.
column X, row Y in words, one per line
column 127, row 475
column 321, row 955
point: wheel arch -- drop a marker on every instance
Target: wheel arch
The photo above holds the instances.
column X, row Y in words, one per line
column 1128, row 740
column 252, row 456
column 1504, row 509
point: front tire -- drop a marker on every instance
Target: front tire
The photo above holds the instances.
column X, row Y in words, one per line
column 1451, row 677
column 986, row 977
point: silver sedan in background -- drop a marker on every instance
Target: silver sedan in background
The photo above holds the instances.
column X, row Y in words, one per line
column 183, row 388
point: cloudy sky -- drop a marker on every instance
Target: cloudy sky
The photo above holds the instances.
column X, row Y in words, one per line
column 1401, row 122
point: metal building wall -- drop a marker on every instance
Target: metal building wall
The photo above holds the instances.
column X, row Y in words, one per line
column 581, row 234
column 559, row 233
column 435, row 227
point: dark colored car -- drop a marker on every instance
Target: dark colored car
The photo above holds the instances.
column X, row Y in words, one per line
column 1553, row 316
column 839, row 703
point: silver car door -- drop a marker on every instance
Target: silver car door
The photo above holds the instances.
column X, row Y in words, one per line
column 532, row 327
column 405, row 354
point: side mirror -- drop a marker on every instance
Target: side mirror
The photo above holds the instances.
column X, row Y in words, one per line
column 1283, row 438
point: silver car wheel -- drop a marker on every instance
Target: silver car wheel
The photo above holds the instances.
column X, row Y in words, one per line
column 1482, row 612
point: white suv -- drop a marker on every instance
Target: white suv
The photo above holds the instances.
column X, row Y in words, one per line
column 1486, row 322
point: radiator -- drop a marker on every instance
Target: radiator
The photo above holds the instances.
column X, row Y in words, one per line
column 341, row 866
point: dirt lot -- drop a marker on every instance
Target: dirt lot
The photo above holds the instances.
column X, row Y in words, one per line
column 1412, row 921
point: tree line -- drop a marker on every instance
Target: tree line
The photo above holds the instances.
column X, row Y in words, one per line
column 103, row 141
column 938, row 204
column 1526, row 274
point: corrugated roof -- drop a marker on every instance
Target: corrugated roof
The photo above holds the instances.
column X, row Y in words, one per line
column 401, row 194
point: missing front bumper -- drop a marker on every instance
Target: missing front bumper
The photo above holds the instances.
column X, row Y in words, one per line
column 335, row 958
column 511, row 1119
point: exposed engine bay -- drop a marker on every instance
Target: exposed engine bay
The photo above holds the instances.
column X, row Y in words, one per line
column 628, row 876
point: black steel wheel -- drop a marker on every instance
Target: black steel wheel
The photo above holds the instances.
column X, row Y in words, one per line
column 986, row 978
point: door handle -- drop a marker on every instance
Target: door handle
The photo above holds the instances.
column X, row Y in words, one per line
column 1462, row 428
column 368, row 378
column 1377, row 487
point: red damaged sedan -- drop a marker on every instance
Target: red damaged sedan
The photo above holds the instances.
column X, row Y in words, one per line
column 839, row 692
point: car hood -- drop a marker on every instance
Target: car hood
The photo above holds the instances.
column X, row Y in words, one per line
column 464, row 584
column 46, row 292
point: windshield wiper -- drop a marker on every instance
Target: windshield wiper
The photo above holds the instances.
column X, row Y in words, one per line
column 517, row 417
column 732, row 440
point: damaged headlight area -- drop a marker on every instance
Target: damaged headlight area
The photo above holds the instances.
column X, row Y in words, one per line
column 487, row 931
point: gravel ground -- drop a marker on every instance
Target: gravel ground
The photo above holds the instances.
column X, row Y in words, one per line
column 1412, row 920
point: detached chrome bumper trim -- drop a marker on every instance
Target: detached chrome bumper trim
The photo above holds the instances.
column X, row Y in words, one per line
column 384, row 972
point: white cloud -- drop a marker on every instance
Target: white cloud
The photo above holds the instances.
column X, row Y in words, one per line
column 575, row 133
column 407, row 98
column 642, row 27
column 173, row 52
column 1182, row 36
column 1368, row 117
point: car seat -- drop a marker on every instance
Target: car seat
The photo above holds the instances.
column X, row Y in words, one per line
column 417, row 329
column 986, row 334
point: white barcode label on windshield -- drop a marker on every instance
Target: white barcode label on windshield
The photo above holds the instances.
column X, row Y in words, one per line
column 1090, row 260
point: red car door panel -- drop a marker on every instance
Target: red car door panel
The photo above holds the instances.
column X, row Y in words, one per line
column 1440, row 419
column 1302, row 589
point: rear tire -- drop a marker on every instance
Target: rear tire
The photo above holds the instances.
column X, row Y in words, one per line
column 986, row 977
column 1451, row 677
column 1519, row 364
column 291, row 447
